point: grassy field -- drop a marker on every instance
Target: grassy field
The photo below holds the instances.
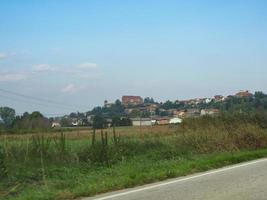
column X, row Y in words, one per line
column 72, row 164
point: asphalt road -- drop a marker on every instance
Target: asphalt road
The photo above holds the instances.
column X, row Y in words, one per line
column 246, row 181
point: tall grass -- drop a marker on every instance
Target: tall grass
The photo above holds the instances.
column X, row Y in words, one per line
column 200, row 135
column 3, row 170
column 39, row 158
column 224, row 133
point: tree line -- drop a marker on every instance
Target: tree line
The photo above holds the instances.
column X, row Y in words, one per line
column 28, row 122
column 117, row 116
column 255, row 103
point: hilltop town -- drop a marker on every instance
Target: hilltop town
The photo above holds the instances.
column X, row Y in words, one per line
column 136, row 111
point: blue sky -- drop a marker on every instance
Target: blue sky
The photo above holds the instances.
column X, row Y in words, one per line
column 83, row 52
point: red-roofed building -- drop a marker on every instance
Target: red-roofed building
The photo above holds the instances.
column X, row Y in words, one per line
column 244, row 94
column 132, row 100
column 218, row 98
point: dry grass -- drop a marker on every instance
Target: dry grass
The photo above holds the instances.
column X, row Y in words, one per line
column 85, row 133
column 70, row 165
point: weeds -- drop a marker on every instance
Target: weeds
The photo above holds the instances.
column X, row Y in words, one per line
column 3, row 169
column 126, row 159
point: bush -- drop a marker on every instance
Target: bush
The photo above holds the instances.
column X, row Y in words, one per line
column 3, row 170
column 224, row 133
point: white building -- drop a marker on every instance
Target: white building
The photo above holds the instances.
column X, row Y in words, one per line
column 209, row 112
column 154, row 122
column 56, row 124
column 208, row 100
column 75, row 123
column 141, row 121
column 175, row 120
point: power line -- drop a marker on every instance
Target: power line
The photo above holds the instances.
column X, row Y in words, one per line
column 45, row 114
column 38, row 99
column 39, row 104
column 27, row 102
column 49, row 114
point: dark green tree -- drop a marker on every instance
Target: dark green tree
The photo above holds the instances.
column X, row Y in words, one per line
column 149, row 100
column 8, row 116
column 99, row 122
column 3, row 170
column 65, row 122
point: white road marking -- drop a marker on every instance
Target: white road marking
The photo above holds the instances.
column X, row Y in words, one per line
column 181, row 179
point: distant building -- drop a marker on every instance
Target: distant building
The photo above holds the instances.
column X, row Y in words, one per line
column 175, row 120
column 89, row 119
column 172, row 111
column 55, row 125
column 107, row 104
column 218, row 98
column 150, row 107
column 181, row 113
column 109, row 122
column 192, row 112
column 154, row 122
column 132, row 100
column 141, row 121
column 200, row 100
column 212, row 112
column 208, row 100
column 75, row 123
column 244, row 94
column 128, row 110
column 164, row 121
column 190, row 102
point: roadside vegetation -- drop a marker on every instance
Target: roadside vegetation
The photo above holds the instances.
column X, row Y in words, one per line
column 71, row 165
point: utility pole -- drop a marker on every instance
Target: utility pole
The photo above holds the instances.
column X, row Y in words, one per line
column 78, row 128
column 140, row 124
column 150, row 121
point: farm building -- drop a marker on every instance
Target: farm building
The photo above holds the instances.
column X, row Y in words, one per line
column 212, row 112
column 141, row 121
column 244, row 94
column 55, row 124
column 164, row 121
column 132, row 100
column 175, row 120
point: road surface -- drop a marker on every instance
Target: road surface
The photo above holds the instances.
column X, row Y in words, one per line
column 246, row 181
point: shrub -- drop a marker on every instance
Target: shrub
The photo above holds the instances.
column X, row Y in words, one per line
column 3, row 169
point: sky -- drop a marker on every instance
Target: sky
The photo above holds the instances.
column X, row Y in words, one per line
column 80, row 53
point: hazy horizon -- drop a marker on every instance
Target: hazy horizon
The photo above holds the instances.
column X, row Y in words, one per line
column 84, row 52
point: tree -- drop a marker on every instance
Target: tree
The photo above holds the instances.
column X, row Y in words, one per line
column 126, row 121
column 121, row 121
column 115, row 121
column 7, row 115
column 118, row 102
column 168, row 105
column 259, row 95
column 3, row 170
column 135, row 113
column 149, row 100
column 99, row 122
column 96, row 111
column 73, row 115
column 36, row 114
column 32, row 121
column 145, row 114
column 65, row 122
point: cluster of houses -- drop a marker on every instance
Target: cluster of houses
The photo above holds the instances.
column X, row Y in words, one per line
column 133, row 104
column 176, row 117
column 155, row 121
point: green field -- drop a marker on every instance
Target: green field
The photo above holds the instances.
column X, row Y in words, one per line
column 73, row 164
